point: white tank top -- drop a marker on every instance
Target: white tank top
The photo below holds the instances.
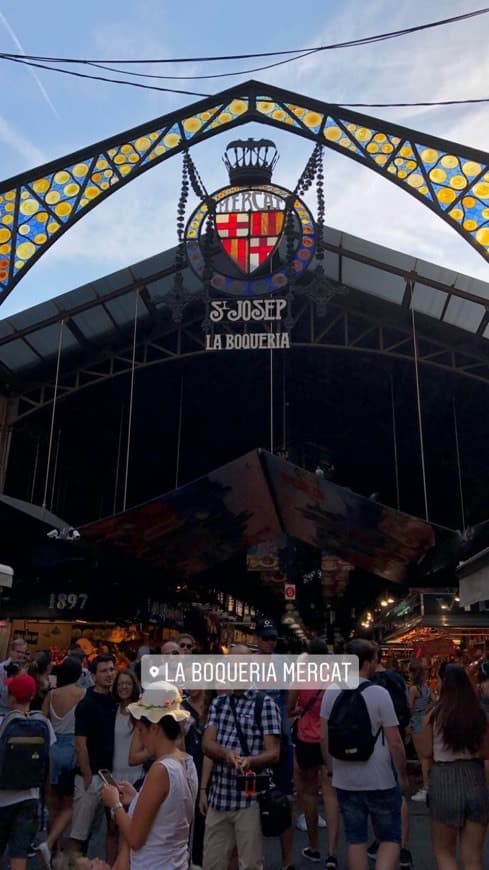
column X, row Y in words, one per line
column 63, row 724
column 167, row 846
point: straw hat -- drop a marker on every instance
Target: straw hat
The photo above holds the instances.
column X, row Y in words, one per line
column 162, row 699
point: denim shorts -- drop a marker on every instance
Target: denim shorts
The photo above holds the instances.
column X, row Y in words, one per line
column 384, row 808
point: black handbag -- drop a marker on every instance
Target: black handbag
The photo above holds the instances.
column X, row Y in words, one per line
column 275, row 814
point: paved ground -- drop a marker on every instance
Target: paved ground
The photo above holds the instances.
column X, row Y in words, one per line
column 420, row 847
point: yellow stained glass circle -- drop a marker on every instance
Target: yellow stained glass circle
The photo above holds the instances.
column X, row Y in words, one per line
column 10, row 195
column 192, row 125
column 91, row 192
column 332, row 134
column 438, row 175
column 41, row 217
column 141, row 144
column 482, row 190
column 279, row 115
column 119, row 159
column 387, row 148
column 468, row 202
column 126, row 149
column 445, row 195
column 312, row 119
column 62, row 177
column 171, row 140
column 406, row 151
column 53, row 226
column 8, row 219
column 101, row 164
column 458, row 182
column 265, row 107
column 224, row 118
column 4, row 235
column 24, row 230
column 485, row 213
column 363, row 134
column 456, row 213
column 482, row 236
column 80, row 170
column 53, row 197
column 470, row 225
column 29, row 206
column 380, row 137
column 63, row 209
column 381, row 159
column 40, row 238
column 471, row 168
column 71, row 189
column 449, row 161
column 237, row 107
column 429, row 155
column 25, row 250
column 372, row 148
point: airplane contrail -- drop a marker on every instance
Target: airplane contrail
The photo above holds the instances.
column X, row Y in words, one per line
column 34, row 75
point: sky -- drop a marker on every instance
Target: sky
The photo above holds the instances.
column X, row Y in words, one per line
column 44, row 115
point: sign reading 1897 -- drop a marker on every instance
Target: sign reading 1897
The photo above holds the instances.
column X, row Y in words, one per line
column 67, row 600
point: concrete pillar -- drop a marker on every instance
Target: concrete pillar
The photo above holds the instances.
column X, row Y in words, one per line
column 8, row 416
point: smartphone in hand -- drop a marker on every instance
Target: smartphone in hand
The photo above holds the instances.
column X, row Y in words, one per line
column 107, row 778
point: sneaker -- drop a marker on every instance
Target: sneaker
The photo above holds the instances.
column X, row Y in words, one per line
column 420, row 796
column 44, row 854
column 406, row 859
column 331, row 863
column 372, row 850
column 311, row 855
column 301, row 822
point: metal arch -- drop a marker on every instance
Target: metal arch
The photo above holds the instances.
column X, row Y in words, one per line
column 39, row 206
column 344, row 329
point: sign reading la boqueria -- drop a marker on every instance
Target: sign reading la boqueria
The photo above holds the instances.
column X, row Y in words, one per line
column 245, row 241
column 266, row 311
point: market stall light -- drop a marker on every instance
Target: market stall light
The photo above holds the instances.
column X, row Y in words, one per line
column 390, row 600
column 384, row 602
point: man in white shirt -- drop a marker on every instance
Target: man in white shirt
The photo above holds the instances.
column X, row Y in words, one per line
column 370, row 788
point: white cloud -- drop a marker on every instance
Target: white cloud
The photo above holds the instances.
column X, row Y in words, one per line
column 18, row 143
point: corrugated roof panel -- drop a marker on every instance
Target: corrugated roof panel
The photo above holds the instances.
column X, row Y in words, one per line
column 94, row 322
column 122, row 309
column 18, row 355
column 374, row 281
column 472, row 285
column 428, row 301
column 464, row 314
column 31, row 316
column 46, row 340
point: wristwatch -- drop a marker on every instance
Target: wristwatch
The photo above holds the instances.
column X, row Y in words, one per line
column 117, row 806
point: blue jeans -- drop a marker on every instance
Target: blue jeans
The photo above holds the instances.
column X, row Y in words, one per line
column 382, row 805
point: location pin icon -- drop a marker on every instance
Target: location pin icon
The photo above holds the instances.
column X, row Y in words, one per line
column 154, row 671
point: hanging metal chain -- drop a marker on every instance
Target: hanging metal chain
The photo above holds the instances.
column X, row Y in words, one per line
column 321, row 204
column 208, row 264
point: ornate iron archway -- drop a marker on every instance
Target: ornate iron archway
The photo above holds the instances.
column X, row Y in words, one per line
column 38, row 206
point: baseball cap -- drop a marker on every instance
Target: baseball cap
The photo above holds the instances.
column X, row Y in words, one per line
column 266, row 629
column 22, row 687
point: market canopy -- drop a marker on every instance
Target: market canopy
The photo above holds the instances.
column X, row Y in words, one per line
column 260, row 496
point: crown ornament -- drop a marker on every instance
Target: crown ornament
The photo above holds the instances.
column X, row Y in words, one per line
column 250, row 161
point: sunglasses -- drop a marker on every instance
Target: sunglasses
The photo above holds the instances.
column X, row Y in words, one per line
column 185, row 645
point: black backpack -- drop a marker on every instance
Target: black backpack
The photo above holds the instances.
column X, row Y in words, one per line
column 24, row 751
column 393, row 683
column 350, row 735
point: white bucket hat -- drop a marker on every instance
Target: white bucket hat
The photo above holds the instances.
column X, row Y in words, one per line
column 162, row 699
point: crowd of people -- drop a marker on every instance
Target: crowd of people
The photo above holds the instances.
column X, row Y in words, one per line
column 179, row 782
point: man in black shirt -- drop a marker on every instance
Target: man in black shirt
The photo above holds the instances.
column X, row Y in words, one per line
column 94, row 734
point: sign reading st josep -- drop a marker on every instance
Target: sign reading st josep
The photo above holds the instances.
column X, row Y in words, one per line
column 245, row 241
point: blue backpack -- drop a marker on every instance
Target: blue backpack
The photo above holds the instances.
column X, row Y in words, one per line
column 24, row 751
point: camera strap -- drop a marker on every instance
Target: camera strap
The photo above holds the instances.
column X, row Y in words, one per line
column 239, row 731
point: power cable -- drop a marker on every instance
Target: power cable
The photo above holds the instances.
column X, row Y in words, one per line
column 366, row 40
column 418, row 104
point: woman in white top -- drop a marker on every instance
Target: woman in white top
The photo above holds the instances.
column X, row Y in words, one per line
column 157, row 827
column 126, row 689
column 455, row 738
column 59, row 707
